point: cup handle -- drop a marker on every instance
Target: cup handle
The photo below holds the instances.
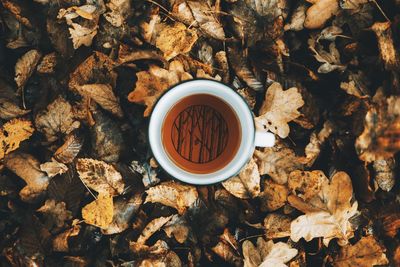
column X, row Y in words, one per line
column 264, row 139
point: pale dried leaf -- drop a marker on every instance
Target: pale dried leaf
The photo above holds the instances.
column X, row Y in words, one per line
column 178, row 228
column 25, row 66
column 151, row 228
column 175, row 195
column 365, row 253
column 246, row 184
column 320, row 12
column 279, row 108
column 119, row 11
column 81, row 35
column 100, row 176
column 175, row 39
column 278, row 162
column 99, row 212
column 53, row 168
column 103, row 95
column 297, row 19
column 10, row 110
column 56, row 212
column 385, row 174
column 57, row 120
column 277, row 225
column 12, row 134
column 152, row 83
column 28, row 168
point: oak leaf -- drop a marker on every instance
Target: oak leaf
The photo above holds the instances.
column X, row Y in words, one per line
column 57, row 120
column 81, row 35
column 327, row 215
column 365, row 253
column 103, row 95
column 267, row 253
column 99, row 212
column 175, row 39
column 152, row 83
column 279, row 108
column 175, row 195
column 25, row 66
column 12, row 134
column 246, row 184
column 100, row 176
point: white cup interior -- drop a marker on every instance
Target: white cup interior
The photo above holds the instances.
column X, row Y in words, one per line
column 236, row 102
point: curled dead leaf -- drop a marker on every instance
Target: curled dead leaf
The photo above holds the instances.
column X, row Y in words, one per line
column 175, row 195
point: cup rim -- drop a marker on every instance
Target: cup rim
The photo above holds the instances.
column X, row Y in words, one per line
column 245, row 117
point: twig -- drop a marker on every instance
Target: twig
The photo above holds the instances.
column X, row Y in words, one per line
column 380, row 9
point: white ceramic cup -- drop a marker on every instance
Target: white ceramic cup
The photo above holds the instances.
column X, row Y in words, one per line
column 250, row 137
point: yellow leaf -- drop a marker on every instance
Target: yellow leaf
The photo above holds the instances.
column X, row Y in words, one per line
column 13, row 133
column 99, row 212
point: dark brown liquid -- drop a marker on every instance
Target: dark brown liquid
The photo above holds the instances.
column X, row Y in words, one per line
column 201, row 133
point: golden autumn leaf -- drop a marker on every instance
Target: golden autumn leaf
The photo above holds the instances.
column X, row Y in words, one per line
column 279, row 108
column 365, row 253
column 99, row 212
column 306, row 184
column 152, row 83
column 13, row 133
column 175, row 39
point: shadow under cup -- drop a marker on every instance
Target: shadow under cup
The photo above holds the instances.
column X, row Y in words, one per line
column 201, row 133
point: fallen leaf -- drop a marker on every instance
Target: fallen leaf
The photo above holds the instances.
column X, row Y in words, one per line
column 221, row 60
column 246, row 184
column 152, row 83
column 175, row 195
column 277, row 225
column 385, row 174
column 297, row 19
column 56, row 213
column 60, row 242
column 365, row 253
column 178, row 228
column 278, row 162
column 175, row 39
column 18, row 10
column 10, row 110
column 27, row 168
column 353, row 4
column 327, row 215
column 57, row 120
column 81, row 35
column 53, row 168
column 103, row 95
column 267, row 8
column 320, row 12
column 12, row 134
column 267, row 253
column 199, row 14
column 306, row 184
column 48, row 64
column 151, row 228
column 69, row 150
column 99, row 212
column 149, row 174
column 227, row 253
column 279, row 108
column 25, row 66
column 119, row 10
column 386, row 45
column 100, row 176
column 273, row 197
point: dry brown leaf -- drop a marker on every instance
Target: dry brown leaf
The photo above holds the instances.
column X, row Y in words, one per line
column 385, row 174
column 69, row 150
column 381, row 124
column 10, row 110
column 221, row 60
column 365, row 253
column 27, row 168
column 124, row 210
column 306, row 184
column 273, row 197
column 320, row 12
column 175, row 195
column 12, row 134
column 279, row 108
column 175, row 39
column 386, row 45
column 16, row 8
column 103, row 95
column 277, row 225
column 48, row 64
column 149, row 174
column 100, row 176
column 246, row 184
column 267, row 253
column 278, row 162
column 99, row 212
column 60, row 242
column 297, row 19
column 327, row 215
column 178, row 228
column 227, row 253
column 81, row 35
column 57, row 120
column 119, row 11
column 267, row 8
column 55, row 213
column 353, row 4
column 199, row 14
column 53, row 168
column 151, row 228
column 25, row 66
column 152, row 83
